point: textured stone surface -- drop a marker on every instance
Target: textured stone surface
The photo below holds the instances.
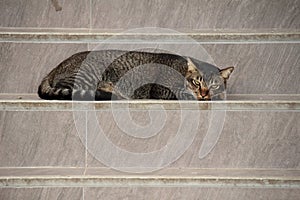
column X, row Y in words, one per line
column 194, row 14
column 39, row 139
column 191, row 193
column 248, row 140
column 260, row 68
column 22, row 102
column 41, row 171
column 117, row 14
column 158, row 137
column 41, row 193
column 42, row 14
column 23, row 66
column 162, row 36
column 149, row 193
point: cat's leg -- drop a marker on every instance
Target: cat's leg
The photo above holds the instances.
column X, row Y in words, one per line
column 59, row 91
column 184, row 95
column 165, row 93
column 104, row 91
column 71, row 91
column 142, row 92
column 107, row 91
column 161, row 92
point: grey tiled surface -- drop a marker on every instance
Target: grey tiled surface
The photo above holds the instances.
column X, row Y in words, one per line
column 41, row 193
column 39, row 139
column 191, row 193
column 194, row 14
column 260, row 68
column 41, row 171
column 248, row 140
column 149, row 193
column 117, row 14
column 42, row 14
column 161, row 128
column 23, row 66
column 144, row 133
column 256, row 140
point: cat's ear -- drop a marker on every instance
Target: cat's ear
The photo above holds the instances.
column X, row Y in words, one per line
column 191, row 66
column 225, row 73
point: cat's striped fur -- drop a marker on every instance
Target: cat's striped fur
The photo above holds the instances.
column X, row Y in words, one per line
column 113, row 74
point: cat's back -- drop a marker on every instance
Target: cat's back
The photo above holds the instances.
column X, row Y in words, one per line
column 84, row 70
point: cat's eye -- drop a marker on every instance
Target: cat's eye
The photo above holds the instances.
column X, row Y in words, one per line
column 196, row 83
column 214, row 87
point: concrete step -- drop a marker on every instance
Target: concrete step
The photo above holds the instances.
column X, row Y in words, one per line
column 246, row 131
column 102, row 177
column 31, row 102
column 148, row 35
column 246, row 147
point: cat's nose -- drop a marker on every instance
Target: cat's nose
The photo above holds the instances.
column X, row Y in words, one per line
column 203, row 93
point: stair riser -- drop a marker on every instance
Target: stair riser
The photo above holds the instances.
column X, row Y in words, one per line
column 169, row 14
column 260, row 139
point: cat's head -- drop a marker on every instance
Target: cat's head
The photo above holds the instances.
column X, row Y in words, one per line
column 206, row 81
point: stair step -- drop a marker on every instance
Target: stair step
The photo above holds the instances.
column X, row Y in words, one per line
column 254, row 147
column 10, row 102
column 101, row 177
column 94, row 36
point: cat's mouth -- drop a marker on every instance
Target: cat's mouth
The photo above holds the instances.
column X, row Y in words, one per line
column 204, row 99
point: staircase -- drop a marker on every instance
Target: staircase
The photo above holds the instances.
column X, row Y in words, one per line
column 246, row 147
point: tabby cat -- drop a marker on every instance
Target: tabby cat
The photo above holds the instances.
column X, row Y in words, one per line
column 114, row 74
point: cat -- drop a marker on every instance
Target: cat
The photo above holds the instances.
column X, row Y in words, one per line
column 114, row 74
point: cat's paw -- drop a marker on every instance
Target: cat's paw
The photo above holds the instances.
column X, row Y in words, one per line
column 105, row 87
column 186, row 96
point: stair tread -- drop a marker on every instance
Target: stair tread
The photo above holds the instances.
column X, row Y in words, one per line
column 91, row 177
column 235, row 173
column 22, row 102
column 87, row 35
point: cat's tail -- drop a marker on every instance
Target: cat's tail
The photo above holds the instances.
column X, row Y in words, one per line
column 46, row 91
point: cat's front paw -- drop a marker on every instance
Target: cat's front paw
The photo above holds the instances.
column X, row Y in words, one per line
column 105, row 87
column 186, row 96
